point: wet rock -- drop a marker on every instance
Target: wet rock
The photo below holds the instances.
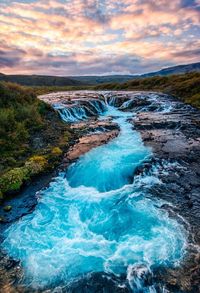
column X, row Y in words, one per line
column 190, row 204
column 139, row 276
column 7, row 208
column 174, row 136
column 88, row 142
column 98, row 283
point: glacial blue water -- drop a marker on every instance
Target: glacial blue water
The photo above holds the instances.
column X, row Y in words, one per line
column 112, row 165
column 95, row 218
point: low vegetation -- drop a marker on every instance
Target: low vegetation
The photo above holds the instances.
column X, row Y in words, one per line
column 186, row 87
column 32, row 137
column 41, row 90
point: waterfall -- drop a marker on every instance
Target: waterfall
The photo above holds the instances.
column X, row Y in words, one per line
column 72, row 114
column 81, row 111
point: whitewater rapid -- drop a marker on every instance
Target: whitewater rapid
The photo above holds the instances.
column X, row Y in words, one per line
column 96, row 217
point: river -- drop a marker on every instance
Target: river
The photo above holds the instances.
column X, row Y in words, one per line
column 96, row 217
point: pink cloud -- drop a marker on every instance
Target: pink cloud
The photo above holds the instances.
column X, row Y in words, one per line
column 149, row 31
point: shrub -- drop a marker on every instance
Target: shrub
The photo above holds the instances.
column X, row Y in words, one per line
column 56, row 151
column 35, row 165
column 12, row 180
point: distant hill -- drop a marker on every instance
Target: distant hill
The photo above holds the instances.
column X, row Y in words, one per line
column 92, row 80
column 179, row 69
column 43, row 80
column 40, row 80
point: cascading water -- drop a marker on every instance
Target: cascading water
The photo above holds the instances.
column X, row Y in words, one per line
column 117, row 159
column 77, row 113
column 96, row 218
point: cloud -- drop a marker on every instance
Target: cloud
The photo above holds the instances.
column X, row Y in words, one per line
column 97, row 36
column 10, row 57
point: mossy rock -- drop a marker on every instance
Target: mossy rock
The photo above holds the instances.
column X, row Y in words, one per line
column 36, row 165
column 56, row 151
column 12, row 180
column 7, row 208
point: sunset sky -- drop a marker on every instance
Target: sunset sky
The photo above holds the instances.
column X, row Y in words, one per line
column 88, row 37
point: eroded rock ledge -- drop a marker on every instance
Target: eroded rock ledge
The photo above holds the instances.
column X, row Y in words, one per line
column 93, row 139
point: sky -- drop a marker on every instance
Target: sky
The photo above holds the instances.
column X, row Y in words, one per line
column 97, row 37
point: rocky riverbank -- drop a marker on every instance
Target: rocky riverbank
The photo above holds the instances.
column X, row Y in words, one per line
column 174, row 137
column 172, row 130
column 86, row 136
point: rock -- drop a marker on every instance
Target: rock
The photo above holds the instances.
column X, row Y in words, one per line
column 99, row 282
column 2, row 220
column 174, row 136
column 190, row 204
column 7, row 208
column 86, row 143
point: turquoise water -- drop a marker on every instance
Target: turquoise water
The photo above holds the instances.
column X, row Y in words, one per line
column 112, row 165
column 95, row 218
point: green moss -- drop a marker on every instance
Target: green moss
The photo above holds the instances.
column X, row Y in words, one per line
column 28, row 127
column 56, row 151
column 36, row 165
column 64, row 139
column 19, row 117
column 12, row 180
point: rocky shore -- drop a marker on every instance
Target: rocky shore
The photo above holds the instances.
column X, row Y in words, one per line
column 175, row 137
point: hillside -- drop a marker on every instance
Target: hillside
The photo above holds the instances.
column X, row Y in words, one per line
column 186, row 86
column 32, row 137
column 97, row 79
column 60, row 81
column 179, row 69
column 40, row 80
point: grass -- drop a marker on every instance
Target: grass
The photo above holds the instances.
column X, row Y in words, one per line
column 40, row 90
column 32, row 137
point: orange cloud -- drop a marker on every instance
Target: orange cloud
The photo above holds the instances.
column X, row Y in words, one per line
column 148, row 31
